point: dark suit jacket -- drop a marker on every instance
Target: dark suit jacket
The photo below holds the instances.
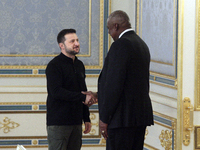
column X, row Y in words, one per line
column 123, row 85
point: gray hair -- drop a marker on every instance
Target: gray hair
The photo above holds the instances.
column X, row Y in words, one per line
column 121, row 18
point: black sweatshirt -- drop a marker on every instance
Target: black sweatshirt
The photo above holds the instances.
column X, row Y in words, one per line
column 65, row 81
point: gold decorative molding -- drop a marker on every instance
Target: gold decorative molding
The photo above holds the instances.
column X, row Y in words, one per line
column 92, row 132
column 197, row 137
column 162, row 84
column 156, row 74
column 138, row 17
column 176, row 83
column 35, row 71
column 173, row 121
column 166, row 139
column 102, row 141
column 35, row 107
column 8, row 124
column 92, row 116
column 101, row 35
column 197, row 58
column 95, row 124
column 181, row 7
column 35, row 142
column 187, row 120
column 172, row 127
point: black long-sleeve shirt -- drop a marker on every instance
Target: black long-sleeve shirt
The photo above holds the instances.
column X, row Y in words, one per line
column 65, row 81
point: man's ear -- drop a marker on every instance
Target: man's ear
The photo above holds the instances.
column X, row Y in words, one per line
column 116, row 25
column 61, row 45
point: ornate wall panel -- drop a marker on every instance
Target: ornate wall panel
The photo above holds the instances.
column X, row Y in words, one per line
column 157, row 25
column 163, row 134
column 28, row 31
column 27, row 121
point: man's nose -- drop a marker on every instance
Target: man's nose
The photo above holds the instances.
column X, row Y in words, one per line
column 77, row 42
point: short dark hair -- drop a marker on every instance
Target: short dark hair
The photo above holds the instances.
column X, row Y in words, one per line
column 61, row 35
column 121, row 18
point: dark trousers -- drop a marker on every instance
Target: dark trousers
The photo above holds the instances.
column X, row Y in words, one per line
column 130, row 138
column 64, row 137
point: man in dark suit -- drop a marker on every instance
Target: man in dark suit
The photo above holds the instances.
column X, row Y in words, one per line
column 123, row 87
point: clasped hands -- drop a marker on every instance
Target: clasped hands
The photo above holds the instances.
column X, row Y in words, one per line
column 91, row 98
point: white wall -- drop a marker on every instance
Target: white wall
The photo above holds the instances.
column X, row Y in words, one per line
column 127, row 6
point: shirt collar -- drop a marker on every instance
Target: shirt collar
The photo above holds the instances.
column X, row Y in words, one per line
column 67, row 58
column 125, row 32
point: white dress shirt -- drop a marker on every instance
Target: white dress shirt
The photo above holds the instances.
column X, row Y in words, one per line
column 125, row 32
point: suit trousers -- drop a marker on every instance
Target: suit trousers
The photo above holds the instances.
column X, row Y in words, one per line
column 64, row 137
column 127, row 138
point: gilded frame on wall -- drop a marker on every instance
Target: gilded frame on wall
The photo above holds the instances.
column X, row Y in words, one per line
column 197, row 59
column 159, row 22
column 92, row 58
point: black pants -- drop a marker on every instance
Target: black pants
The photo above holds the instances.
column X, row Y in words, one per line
column 130, row 138
column 64, row 137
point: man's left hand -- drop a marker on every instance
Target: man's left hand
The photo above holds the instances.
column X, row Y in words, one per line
column 103, row 129
column 87, row 127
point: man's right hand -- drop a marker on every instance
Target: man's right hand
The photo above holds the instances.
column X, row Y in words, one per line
column 91, row 98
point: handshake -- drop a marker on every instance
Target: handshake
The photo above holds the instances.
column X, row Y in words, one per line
column 91, row 98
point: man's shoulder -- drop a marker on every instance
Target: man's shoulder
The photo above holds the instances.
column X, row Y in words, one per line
column 124, row 40
column 55, row 61
column 121, row 43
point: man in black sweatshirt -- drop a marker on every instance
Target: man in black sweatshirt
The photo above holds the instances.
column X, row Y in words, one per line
column 67, row 107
